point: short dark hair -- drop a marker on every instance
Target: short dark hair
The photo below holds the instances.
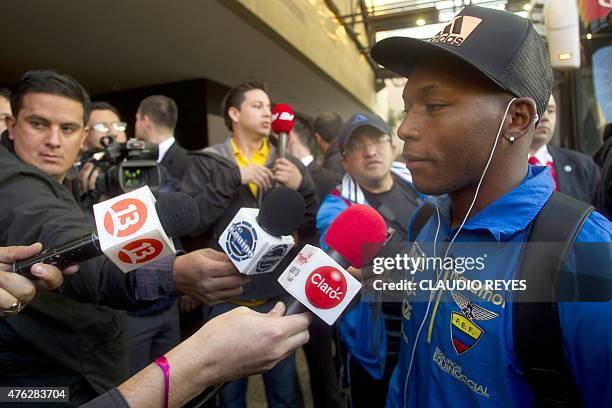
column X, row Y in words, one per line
column 5, row 93
column 49, row 82
column 160, row 109
column 304, row 130
column 235, row 96
column 328, row 125
column 101, row 105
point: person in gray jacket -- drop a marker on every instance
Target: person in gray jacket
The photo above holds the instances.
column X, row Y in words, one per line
column 236, row 173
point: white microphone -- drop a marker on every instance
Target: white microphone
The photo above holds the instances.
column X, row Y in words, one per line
column 256, row 240
column 319, row 279
column 132, row 230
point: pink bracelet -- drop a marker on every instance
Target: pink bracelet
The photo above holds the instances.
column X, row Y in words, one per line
column 162, row 362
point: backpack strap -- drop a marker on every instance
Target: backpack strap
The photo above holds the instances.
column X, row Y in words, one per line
column 419, row 219
column 536, row 325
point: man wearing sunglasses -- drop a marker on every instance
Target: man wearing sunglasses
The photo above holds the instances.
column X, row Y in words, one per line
column 371, row 178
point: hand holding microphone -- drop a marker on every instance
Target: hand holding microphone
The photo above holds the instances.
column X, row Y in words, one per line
column 132, row 230
column 208, row 276
column 261, row 176
column 17, row 291
column 319, row 280
column 287, row 173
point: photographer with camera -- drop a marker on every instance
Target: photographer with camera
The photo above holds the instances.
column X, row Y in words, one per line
column 103, row 127
column 120, row 168
column 112, row 165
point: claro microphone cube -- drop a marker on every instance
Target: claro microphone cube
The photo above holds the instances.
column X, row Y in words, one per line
column 256, row 240
column 130, row 233
column 319, row 279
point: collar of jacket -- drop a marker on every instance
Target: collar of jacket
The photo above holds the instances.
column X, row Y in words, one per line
column 4, row 141
column 225, row 150
column 350, row 190
column 510, row 213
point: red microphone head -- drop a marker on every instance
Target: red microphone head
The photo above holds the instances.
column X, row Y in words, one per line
column 283, row 118
column 357, row 234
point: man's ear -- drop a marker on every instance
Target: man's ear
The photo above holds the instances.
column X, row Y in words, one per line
column 84, row 137
column 343, row 163
column 292, row 139
column 147, row 121
column 521, row 118
column 10, row 125
column 318, row 138
column 234, row 114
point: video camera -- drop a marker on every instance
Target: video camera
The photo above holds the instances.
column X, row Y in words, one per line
column 125, row 166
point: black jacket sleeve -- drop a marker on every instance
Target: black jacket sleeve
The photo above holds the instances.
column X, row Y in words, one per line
column 34, row 210
column 213, row 182
column 308, row 191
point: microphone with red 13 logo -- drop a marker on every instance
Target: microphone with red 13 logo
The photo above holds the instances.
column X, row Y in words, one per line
column 318, row 279
column 132, row 230
column 283, row 120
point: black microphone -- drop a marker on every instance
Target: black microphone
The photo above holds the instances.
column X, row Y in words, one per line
column 281, row 212
column 177, row 213
column 256, row 240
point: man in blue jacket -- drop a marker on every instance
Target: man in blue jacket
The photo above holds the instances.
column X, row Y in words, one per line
column 471, row 104
column 370, row 333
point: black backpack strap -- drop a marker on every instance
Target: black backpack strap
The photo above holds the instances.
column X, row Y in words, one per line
column 537, row 328
column 420, row 218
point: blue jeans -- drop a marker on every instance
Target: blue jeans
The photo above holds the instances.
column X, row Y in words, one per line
column 280, row 382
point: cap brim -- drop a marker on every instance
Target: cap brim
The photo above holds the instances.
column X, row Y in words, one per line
column 352, row 131
column 402, row 54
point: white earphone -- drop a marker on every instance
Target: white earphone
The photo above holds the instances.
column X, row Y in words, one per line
column 431, row 296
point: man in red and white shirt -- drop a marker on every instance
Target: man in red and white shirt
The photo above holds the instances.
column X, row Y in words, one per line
column 575, row 174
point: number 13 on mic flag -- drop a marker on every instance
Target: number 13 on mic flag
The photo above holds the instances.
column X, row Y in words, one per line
column 129, row 230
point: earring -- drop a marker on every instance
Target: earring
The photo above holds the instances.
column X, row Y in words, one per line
column 511, row 140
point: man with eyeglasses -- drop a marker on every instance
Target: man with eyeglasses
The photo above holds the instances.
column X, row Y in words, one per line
column 373, row 179
column 104, row 126
column 104, row 121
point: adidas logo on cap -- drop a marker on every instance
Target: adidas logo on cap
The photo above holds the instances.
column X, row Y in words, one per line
column 359, row 118
column 457, row 31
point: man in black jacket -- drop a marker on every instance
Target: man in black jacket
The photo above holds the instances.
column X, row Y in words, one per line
column 575, row 174
column 327, row 127
column 298, row 145
column 236, row 173
column 68, row 338
column 323, row 378
column 155, row 122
